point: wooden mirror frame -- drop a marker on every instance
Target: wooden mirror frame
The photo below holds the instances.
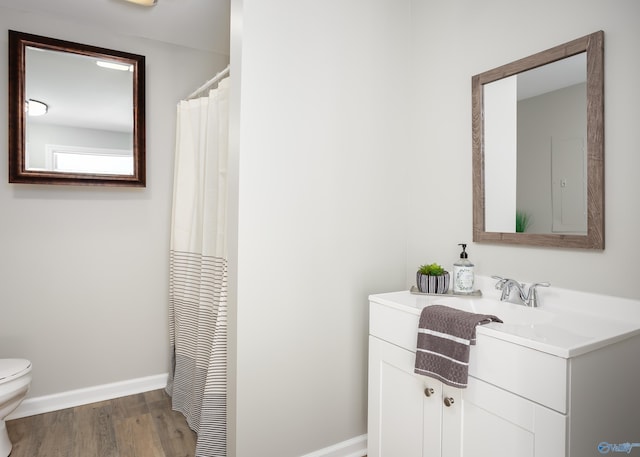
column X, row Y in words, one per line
column 593, row 44
column 18, row 173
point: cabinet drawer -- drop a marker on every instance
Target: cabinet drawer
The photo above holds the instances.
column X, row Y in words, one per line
column 394, row 325
column 531, row 374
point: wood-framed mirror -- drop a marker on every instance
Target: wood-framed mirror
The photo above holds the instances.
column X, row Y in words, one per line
column 538, row 148
column 76, row 113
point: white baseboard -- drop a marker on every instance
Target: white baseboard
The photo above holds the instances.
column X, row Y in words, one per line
column 354, row 447
column 71, row 398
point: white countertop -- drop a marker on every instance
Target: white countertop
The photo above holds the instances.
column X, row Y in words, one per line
column 561, row 332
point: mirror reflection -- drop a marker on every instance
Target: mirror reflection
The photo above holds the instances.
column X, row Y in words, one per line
column 85, row 124
column 535, row 125
column 76, row 113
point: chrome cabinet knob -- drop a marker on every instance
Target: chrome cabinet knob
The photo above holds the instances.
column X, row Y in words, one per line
column 448, row 401
column 428, row 391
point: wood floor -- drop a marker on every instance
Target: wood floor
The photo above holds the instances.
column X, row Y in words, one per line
column 140, row 425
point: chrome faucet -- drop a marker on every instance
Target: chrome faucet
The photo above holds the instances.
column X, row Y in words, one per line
column 527, row 297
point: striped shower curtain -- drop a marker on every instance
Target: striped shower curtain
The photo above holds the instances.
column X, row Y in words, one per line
column 198, row 269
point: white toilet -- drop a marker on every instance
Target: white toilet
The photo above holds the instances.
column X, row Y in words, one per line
column 15, row 379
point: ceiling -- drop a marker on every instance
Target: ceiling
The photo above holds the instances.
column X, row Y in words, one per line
column 198, row 24
column 78, row 92
column 553, row 76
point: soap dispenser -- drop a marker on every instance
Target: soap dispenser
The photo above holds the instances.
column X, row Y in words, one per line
column 463, row 276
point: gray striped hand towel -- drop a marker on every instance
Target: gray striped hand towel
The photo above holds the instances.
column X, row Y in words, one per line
column 444, row 338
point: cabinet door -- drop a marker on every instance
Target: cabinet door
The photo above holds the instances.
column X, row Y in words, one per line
column 404, row 408
column 452, row 407
column 492, row 421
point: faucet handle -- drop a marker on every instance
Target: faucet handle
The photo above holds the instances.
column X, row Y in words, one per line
column 501, row 282
column 533, row 293
column 505, row 284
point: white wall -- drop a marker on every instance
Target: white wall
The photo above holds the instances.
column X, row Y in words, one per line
column 321, row 212
column 334, row 175
column 84, row 270
column 500, row 110
column 451, row 42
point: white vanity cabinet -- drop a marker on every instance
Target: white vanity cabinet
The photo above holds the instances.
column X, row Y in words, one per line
column 519, row 401
column 417, row 416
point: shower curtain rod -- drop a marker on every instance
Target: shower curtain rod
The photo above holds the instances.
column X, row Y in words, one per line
column 210, row 83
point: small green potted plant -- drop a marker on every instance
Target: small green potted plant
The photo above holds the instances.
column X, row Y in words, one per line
column 432, row 279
